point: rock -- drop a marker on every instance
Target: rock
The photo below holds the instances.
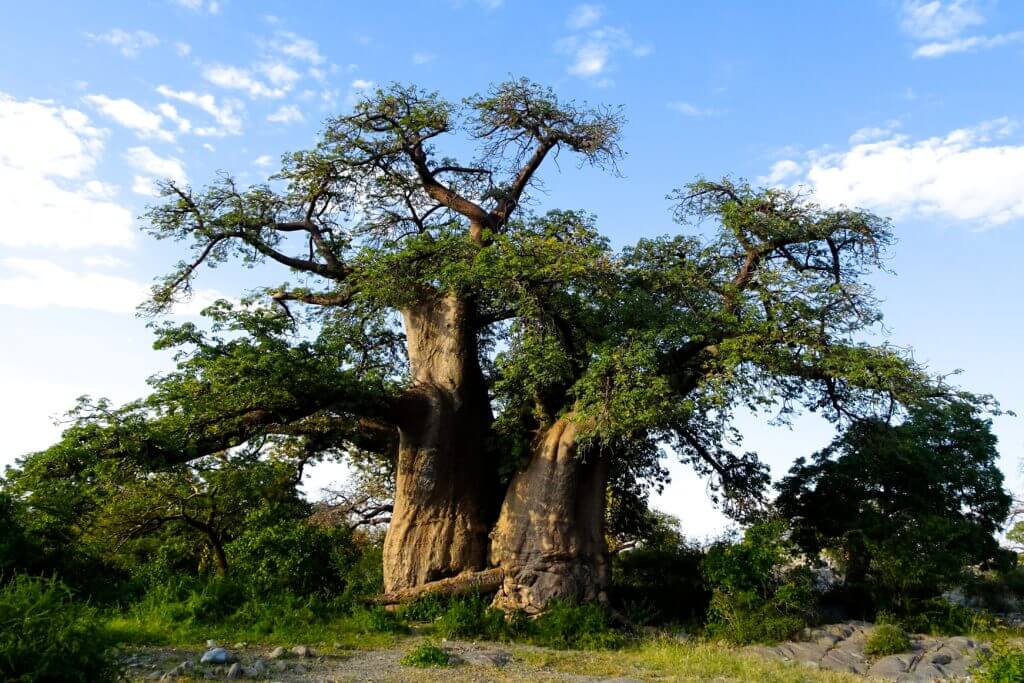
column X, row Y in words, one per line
column 259, row 667
column 941, row 658
column 496, row 658
column 281, row 665
column 891, row 666
column 844, row 660
column 234, row 672
column 240, row 646
column 217, row 655
column 804, row 652
column 211, row 644
column 959, row 644
column 924, row 672
column 277, row 653
column 299, row 669
column 303, row 651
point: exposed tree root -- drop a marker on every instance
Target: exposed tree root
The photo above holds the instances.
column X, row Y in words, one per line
column 484, row 582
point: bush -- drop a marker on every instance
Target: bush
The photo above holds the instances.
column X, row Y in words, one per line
column 378, row 620
column 426, row 655
column 45, row 635
column 660, row 584
column 887, row 639
column 471, row 617
column 581, row 627
column 1005, row 665
column 758, row 594
column 940, row 617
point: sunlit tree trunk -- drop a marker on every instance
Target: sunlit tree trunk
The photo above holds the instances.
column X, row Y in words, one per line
column 446, row 486
column 549, row 538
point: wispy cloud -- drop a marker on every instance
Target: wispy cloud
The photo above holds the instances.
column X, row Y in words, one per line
column 146, row 124
column 591, row 46
column 693, row 110
column 225, row 113
column 236, row 78
column 286, row 113
column 129, row 43
column 422, row 57
column 209, row 6
column 154, row 167
column 939, row 27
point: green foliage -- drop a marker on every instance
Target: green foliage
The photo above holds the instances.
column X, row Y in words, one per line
column 759, row 593
column 471, row 617
column 426, row 655
column 660, row 581
column 886, row 639
column 880, row 495
column 46, row 635
column 1004, row 665
column 938, row 616
column 569, row 626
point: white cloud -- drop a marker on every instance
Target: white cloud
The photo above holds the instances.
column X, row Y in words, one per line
column 972, row 44
column 146, row 124
column 47, row 155
column 973, row 175
column 155, row 167
column 183, row 49
column 51, row 285
column 693, row 110
column 264, row 160
column 279, row 73
column 297, row 47
column 362, row 84
column 591, row 51
column 936, row 20
column 942, row 23
column 171, row 114
column 211, row 6
column 781, row 172
column 104, row 261
column 584, row 16
column 422, row 57
column 235, row 78
column 130, row 43
column 225, row 114
column 286, row 113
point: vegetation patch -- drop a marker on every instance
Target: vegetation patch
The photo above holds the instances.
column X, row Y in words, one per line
column 887, row 639
column 426, row 655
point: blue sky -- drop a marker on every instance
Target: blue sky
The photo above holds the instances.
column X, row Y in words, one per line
column 910, row 108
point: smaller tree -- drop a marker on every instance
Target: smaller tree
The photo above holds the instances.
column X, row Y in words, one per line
column 904, row 508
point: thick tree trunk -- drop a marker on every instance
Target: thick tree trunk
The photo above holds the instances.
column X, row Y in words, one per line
column 446, row 481
column 549, row 539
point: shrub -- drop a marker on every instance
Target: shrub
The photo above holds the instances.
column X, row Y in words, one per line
column 569, row 626
column 943, row 618
column 660, row 584
column 471, row 617
column 887, row 639
column 45, row 635
column 378, row 620
column 1005, row 665
column 426, row 655
column 758, row 594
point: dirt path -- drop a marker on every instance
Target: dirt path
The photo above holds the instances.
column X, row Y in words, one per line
column 474, row 662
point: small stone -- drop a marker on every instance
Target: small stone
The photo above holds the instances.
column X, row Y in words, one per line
column 277, row 653
column 234, row 672
column 299, row 669
column 211, row 644
column 303, row 651
column 240, row 646
column 281, row 665
column 217, row 655
column 941, row 658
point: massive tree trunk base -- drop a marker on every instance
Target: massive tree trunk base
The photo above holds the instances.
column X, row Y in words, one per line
column 549, row 539
column 445, row 484
column 472, row 583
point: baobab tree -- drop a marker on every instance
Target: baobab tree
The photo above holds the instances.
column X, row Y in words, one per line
column 515, row 369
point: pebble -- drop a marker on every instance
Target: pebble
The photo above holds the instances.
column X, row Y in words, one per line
column 277, row 653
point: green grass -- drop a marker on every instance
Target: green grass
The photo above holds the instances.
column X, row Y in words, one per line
column 426, row 655
column 672, row 661
column 886, row 639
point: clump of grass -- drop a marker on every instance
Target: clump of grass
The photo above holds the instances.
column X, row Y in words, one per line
column 1005, row 665
column 426, row 655
column 887, row 639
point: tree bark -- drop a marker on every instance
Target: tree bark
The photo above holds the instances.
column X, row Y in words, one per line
column 549, row 538
column 447, row 484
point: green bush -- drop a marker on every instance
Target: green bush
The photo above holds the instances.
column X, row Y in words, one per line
column 471, row 617
column 45, row 635
column 940, row 617
column 426, row 655
column 887, row 639
column 758, row 594
column 1005, row 665
column 378, row 620
column 580, row 627
column 660, row 584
